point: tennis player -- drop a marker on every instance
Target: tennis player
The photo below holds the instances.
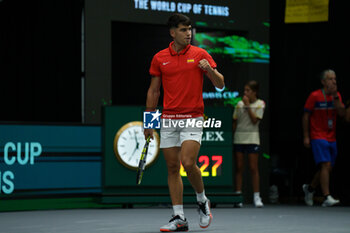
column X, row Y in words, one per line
column 179, row 69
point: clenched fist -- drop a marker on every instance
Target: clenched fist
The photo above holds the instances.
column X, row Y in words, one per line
column 204, row 65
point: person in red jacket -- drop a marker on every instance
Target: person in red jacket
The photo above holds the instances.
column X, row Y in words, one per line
column 319, row 123
column 179, row 70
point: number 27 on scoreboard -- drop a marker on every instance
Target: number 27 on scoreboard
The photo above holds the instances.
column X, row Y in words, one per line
column 204, row 161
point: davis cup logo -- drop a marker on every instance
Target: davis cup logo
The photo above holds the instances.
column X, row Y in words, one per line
column 151, row 120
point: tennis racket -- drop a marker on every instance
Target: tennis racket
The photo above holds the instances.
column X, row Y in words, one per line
column 142, row 162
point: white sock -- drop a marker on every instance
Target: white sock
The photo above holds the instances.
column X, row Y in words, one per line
column 201, row 197
column 179, row 210
column 257, row 194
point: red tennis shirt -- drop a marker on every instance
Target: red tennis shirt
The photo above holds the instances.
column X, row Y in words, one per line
column 321, row 107
column 182, row 80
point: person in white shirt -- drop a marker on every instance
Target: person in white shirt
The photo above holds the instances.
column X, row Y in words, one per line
column 246, row 118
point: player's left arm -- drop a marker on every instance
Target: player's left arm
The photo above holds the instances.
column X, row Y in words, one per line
column 213, row 74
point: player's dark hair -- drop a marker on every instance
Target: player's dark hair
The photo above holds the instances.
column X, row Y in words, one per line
column 254, row 86
column 176, row 19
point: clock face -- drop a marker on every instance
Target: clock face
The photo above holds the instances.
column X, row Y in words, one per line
column 129, row 142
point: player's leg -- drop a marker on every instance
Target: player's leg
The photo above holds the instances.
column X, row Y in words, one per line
column 309, row 189
column 322, row 157
column 189, row 153
column 190, row 139
column 322, row 152
column 315, row 180
column 170, row 145
column 327, row 167
column 324, row 177
column 254, row 171
column 172, row 159
column 178, row 222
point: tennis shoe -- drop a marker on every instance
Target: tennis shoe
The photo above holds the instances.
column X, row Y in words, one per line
column 175, row 224
column 309, row 196
column 205, row 215
column 330, row 201
column 257, row 202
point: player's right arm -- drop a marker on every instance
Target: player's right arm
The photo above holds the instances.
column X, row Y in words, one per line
column 153, row 94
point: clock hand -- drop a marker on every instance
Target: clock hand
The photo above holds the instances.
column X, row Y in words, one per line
column 137, row 143
column 136, row 147
column 132, row 155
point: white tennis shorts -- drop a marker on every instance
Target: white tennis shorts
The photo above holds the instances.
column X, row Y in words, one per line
column 174, row 132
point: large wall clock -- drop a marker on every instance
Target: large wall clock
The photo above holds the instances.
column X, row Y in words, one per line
column 129, row 142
